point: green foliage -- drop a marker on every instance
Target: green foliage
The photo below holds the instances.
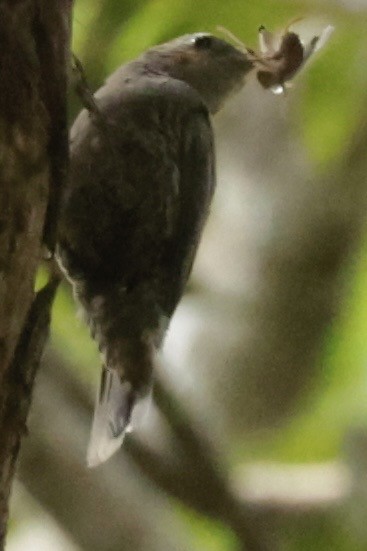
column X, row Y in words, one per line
column 334, row 93
column 72, row 338
column 211, row 535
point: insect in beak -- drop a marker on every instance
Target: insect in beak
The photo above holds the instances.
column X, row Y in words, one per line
column 281, row 57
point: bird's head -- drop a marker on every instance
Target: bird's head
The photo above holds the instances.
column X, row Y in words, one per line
column 213, row 67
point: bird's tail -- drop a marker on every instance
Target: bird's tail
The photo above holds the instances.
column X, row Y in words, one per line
column 128, row 336
column 112, row 417
column 119, row 408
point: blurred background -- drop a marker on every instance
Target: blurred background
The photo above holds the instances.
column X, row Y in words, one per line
column 258, row 435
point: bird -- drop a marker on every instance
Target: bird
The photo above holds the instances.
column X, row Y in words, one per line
column 140, row 185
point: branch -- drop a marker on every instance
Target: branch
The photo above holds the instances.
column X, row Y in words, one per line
column 195, row 477
column 258, row 500
column 192, row 476
column 33, row 163
column 105, row 509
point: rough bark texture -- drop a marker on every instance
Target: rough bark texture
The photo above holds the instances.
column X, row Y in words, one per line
column 34, row 38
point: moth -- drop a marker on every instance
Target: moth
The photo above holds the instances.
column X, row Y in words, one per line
column 281, row 56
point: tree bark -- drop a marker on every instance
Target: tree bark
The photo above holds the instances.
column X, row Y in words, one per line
column 34, row 52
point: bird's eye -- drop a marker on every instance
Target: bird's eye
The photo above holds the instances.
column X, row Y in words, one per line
column 203, row 42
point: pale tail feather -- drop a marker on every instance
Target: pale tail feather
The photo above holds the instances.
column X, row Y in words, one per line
column 112, row 415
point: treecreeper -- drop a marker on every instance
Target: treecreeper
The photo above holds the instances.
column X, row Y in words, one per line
column 142, row 177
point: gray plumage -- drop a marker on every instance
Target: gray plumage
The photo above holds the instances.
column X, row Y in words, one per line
column 142, row 177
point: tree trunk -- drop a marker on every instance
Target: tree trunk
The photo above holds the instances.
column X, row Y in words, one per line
column 34, row 53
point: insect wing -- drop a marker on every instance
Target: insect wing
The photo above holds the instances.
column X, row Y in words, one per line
column 313, row 46
column 317, row 42
column 268, row 42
